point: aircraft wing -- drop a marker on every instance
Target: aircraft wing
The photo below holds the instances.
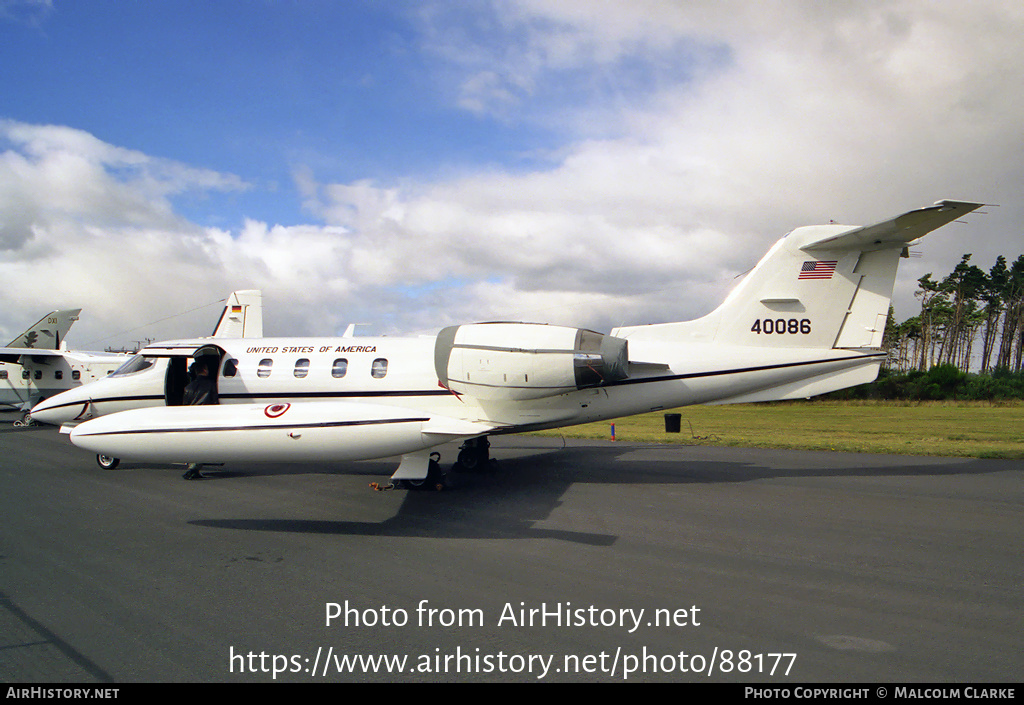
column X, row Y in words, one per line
column 15, row 355
column 901, row 230
column 446, row 426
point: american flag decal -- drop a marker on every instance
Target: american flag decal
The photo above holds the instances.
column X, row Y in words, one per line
column 818, row 270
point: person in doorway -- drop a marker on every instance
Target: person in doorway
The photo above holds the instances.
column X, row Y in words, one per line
column 201, row 390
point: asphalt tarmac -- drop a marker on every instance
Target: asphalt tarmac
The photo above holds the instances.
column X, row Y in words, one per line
column 583, row 561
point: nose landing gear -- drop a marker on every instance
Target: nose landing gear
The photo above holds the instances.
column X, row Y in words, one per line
column 107, row 462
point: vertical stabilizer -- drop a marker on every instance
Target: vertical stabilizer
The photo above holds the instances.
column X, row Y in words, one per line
column 807, row 297
column 48, row 332
column 242, row 316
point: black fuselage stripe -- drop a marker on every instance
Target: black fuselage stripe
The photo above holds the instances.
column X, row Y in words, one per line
column 265, row 427
column 338, row 395
column 268, row 395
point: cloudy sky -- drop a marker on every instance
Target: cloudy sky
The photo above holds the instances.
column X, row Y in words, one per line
column 412, row 164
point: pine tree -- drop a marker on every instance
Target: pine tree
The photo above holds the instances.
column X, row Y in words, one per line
column 993, row 295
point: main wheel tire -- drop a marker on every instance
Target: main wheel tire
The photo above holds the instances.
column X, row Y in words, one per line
column 469, row 460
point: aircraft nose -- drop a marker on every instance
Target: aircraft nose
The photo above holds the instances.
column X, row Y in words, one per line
column 58, row 411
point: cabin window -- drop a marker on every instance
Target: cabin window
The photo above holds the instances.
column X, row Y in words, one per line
column 25, row 374
column 77, row 375
column 301, row 367
column 38, row 374
column 3, row 374
column 263, row 371
column 230, row 368
column 58, row 374
column 379, row 368
column 339, row 368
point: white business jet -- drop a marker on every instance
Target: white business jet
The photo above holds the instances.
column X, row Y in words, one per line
column 807, row 320
column 37, row 364
column 44, row 373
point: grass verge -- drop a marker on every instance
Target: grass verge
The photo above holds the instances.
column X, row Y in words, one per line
column 959, row 429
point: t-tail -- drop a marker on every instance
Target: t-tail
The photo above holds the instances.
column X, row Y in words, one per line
column 823, row 288
column 48, row 332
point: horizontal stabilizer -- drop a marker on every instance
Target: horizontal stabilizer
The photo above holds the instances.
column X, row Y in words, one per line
column 896, row 232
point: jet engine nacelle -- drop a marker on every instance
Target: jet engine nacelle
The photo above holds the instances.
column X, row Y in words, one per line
column 519, row 361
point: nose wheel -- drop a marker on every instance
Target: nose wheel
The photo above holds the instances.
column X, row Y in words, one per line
column 25, row 421
column 107, row 462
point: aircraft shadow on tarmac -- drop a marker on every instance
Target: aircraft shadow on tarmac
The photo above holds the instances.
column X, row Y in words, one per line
column 532, row 479
column 502, row 503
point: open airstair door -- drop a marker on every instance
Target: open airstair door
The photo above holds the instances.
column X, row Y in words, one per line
column 180, row 372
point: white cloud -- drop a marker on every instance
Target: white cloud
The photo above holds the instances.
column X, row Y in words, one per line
column 782, row 114
column 85, row 223
column 749, row 119
column 52, row 173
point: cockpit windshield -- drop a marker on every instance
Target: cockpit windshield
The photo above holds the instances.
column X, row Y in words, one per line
column 137, row 363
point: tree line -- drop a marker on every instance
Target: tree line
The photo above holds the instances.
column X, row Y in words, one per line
column 969, row 320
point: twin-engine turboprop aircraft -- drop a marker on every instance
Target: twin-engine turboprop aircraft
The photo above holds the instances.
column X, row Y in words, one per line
column 37, row 364
column 808, row 319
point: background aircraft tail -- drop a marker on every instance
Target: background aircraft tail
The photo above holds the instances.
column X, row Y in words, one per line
column 242, row 316
column 48, row 332
column 820, row 286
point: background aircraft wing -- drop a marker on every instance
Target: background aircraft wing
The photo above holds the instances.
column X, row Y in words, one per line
column 15, row 355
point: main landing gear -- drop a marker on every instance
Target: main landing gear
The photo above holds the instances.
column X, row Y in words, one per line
column 436, row 478
column 474, row 456
column 107, row 462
